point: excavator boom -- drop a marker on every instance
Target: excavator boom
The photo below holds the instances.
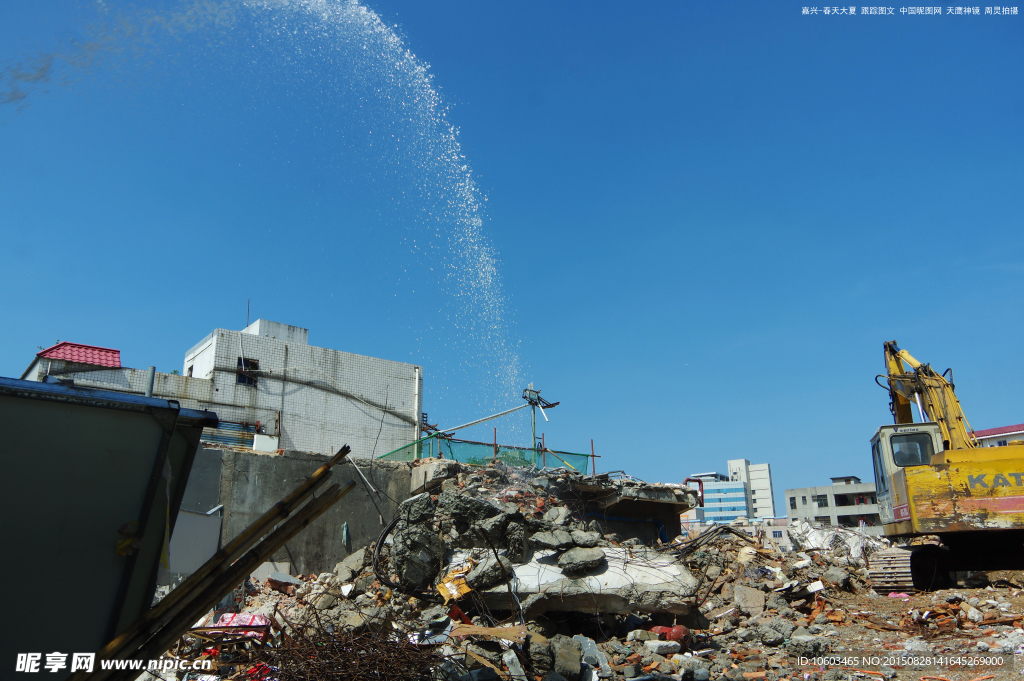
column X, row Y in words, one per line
column 931, row 392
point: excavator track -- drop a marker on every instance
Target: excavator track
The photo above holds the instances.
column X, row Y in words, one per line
column 909, row 569
column 890, row 571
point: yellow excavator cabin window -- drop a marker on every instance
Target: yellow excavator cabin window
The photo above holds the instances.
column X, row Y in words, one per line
column 912, row 449
column 881, row 482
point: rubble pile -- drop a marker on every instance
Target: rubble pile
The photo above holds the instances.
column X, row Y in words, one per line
column 499, row 572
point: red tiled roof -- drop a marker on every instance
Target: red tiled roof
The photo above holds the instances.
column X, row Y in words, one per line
column 83, row 354
column 1000, row 431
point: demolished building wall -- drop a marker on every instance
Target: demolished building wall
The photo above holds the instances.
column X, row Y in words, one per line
column 249, row 483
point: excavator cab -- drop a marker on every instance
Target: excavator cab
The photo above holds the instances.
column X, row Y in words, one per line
column 893, row 450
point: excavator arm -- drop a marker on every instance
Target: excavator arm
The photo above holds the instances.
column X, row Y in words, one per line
column 911, row 381
column 900, row 393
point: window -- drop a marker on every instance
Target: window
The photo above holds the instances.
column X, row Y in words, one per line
column 804, row 499
column 824, row 520
column 250, row 365
column 881, row 482
column 1001, row 443
column 792, row 502
column 821, row 500
column 188, row 372
column 912, row 449
column 777, row 534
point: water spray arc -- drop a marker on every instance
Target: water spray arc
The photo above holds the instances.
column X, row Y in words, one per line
column 364, row 104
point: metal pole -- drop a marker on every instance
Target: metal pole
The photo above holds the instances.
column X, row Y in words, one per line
column 149, row 381
column 486, row 418
column 593, row 459
column 533, row 430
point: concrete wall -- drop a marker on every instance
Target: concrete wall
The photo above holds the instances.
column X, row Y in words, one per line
column 251, row 482
column 190, row 392
column 326, row 397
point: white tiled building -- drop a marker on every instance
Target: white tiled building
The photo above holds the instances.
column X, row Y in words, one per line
column 267, row 378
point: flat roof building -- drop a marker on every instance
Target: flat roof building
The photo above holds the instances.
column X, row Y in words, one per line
column 270, row 388
column 847, row 502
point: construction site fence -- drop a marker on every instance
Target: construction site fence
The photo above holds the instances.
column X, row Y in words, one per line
column 480, row 453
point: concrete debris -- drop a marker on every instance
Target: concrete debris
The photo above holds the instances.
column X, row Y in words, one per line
column 578, row 560
column 849, row 541
column 489, row 572
column 545, row 591
column 750, row 601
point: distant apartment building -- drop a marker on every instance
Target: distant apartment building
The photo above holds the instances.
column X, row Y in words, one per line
column 847, row 502
column 746, row 492
column 724, row 501
column 270, row 388
column 758, row 478
column 999, row 437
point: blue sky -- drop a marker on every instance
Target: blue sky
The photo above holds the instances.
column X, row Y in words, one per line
column 706, row 218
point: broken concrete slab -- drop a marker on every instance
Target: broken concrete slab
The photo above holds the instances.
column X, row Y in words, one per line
column 515, row 668
column 585, row 539
column 489, row 572
column 662, row 647
column 750, row 601
column 567, row 654
column 261, row 573
column 282, row 578
column 539, row 652
column 836, row 575
column 556, row 539
column 557, row 515
column 356, row 561
column 808, row 646
column 417, row 555
column 630, row 580
column 428, row 474
column 593, row 656
column 465, row 508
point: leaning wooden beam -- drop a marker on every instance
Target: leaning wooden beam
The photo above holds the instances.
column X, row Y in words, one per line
column 173, row 627
column 136, row 634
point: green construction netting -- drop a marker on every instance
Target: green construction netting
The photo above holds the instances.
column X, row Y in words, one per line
column 479, row 453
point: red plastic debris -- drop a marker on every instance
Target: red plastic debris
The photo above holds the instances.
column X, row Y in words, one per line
column 677, row 633
column 456, row 614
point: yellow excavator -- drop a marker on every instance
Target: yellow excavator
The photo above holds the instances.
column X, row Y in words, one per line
column 934, row 479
